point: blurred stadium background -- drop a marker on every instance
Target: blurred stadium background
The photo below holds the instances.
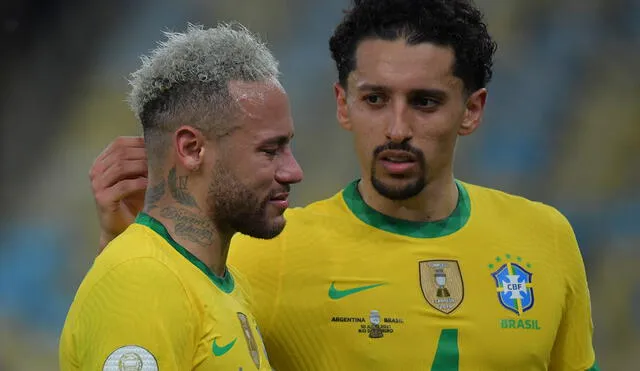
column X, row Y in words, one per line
column 562, row 126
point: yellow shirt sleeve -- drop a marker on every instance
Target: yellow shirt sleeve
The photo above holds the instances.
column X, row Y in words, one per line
column 136, row 312
column 573, row 348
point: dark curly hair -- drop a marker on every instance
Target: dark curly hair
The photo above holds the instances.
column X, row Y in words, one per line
column 454, row 23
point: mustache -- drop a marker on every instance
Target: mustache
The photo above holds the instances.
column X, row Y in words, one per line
column 404, row 146
column 285, row 188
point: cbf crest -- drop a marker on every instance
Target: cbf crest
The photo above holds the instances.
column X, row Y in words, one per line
column 514, row 285
column 441, row 283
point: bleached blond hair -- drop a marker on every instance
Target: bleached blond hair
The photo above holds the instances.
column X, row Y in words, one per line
column 185, row 80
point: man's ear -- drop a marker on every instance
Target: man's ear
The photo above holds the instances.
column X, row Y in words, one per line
column 189, row 143
column 473, row 112
column 342, row 109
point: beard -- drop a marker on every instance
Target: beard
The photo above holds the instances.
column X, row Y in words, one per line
column 411, row 186
column 238, row 208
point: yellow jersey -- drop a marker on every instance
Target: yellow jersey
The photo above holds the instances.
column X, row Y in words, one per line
column 499, row 285
column 148, row 304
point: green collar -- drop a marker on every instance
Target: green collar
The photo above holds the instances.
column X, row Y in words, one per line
column 225, row 283
column 440, row 228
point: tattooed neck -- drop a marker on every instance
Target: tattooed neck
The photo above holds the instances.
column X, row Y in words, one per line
column 190, row 226
column 154, row 195
column 198, row 234
column 179, row 190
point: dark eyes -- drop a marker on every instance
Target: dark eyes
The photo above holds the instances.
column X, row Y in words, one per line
column 424, row 102
column 374, row 99
column 417, row 101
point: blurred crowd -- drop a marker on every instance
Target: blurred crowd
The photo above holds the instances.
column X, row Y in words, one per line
column 562, row 126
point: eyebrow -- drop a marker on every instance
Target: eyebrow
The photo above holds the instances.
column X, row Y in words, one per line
column 279, row 140
column 437, row 93
column 373, row 87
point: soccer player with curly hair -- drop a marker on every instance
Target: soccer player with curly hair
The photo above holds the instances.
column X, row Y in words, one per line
column 409, row 267
column 217, row 127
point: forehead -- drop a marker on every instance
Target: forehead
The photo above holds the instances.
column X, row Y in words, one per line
column 263, row 109
column 396, row 64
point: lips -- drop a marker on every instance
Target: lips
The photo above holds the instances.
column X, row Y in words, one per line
column 282, row 196
column 397, row 156
column 397, row 162
column 280, row 200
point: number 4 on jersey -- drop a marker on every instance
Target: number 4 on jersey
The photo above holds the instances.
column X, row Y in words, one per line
column 447, row 356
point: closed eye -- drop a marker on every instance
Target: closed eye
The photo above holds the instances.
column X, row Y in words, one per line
column 270, row 151
column 272, row 147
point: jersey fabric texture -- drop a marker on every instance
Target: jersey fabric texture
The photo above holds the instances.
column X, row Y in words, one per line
column 499, row 285
column 148, row 304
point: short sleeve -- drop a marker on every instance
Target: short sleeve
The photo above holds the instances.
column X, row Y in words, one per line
column 573, row 347
column 138, row 313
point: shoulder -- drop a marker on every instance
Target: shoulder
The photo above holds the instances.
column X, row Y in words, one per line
column 331, row 207
column 133, row 288
column 135, row 294
column 297, row 218
column 137, row 248
column 133, row 264
column 539, row 221
column 123, row 303
column 135, row 242
column 326, row 212
column 260, row 259
column 135, row 278
column 492, row 201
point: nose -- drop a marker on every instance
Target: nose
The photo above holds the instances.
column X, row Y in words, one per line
column 399, row 128
column 289, row 172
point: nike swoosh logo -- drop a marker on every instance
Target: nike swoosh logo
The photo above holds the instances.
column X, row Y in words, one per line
column 336, row 294
column 221, row 350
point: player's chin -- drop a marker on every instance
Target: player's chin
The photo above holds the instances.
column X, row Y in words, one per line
column 264, row 228
column 279, row 222
column 394, row 181
column 398, row 188
column 272, row 227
